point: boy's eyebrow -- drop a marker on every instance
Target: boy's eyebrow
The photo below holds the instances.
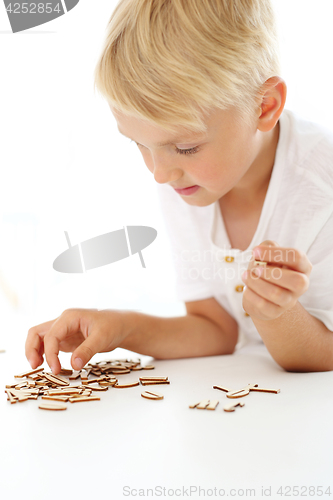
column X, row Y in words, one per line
column 168, row 143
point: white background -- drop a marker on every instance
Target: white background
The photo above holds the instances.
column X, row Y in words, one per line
column 64, row 166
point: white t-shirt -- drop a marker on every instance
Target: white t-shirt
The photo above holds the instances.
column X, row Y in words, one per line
column 297, row 213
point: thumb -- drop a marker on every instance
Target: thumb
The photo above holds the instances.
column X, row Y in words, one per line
column 86, row 351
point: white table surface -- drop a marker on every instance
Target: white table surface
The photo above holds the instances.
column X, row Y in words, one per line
column 124, row 440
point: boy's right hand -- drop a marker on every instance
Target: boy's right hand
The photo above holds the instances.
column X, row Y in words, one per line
column 81, row 331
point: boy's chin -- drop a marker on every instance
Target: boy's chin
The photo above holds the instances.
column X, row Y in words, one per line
column 200, row 201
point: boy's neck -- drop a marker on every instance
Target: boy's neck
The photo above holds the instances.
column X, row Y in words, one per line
column 254, row 184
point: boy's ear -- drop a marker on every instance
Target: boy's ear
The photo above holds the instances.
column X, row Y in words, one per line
column 271, row 104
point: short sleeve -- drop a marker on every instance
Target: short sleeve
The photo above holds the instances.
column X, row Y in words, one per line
column 318, row 299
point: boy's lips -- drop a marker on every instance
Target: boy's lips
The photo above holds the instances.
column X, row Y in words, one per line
column 188, row 190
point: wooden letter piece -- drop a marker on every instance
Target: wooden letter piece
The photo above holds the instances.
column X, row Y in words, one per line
column 28, row 373
column 124, row 386
column 98, row 388
column 220, row 388
column 155, row 382
column 203, row 404
column 241, row 392
column 238, row 394
column 232, row 406
column 164, row 379
column 120, row 372
column 151, row 395
column 257, row 263
column 195, row 405
column 56, row 398
column 65, row 371
column 83, row 399
column 10, row 397
column 20, row 395
column 212, row 405
column 52, row 406
column 260, row 389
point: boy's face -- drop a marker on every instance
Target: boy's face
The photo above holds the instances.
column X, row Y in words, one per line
column 229, row 157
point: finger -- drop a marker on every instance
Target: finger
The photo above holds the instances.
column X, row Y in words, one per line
column 257, row 306
column 293, row 281
column 269, row 291
column 294, row 259
column 51, row 346
column 92, row 345
column 43, row 328
column 34, row 349
column 34, row 345
column 67, row 324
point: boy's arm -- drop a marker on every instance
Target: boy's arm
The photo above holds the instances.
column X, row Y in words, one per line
column 206, row 330
column 296, row 340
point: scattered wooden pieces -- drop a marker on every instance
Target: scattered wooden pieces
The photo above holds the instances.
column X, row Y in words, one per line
column 2, row 351
column 148, row 367
column 152, row 395
column 52, row 406
column 239, row 393
column 58, row 388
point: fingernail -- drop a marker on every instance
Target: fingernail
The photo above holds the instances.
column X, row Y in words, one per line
column 31, row 363
column 53, row 369
column 244, row 275
column 78, row 363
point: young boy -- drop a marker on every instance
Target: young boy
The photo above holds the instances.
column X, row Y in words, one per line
column 195, row 83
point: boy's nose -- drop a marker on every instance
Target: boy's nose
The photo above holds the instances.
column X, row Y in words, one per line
column 164, row 172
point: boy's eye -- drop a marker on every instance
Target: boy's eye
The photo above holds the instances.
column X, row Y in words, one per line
column 189, row 151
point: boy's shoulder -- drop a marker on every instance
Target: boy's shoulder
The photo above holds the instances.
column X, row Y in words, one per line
column 305, row 139
column 307, row 150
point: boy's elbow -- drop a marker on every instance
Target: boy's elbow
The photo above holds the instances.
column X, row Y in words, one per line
column 322, row 367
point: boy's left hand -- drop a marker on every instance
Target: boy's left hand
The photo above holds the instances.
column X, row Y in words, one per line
column 284, row 279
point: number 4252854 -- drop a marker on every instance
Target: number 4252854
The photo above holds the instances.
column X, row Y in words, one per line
column 33, row 8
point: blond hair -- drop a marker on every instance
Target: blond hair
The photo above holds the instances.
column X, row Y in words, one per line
column 172, row 61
